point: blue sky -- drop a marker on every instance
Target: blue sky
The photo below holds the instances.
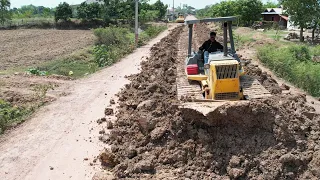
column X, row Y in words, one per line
column 54, row 3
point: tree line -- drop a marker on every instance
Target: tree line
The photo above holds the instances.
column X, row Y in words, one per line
column 106, row 10
column 247, row 11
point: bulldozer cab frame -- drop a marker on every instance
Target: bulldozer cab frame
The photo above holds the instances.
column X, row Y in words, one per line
column 227, row 26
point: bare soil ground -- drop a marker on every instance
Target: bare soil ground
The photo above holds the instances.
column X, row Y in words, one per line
column 28, row 48
column 25, row 47
column 272, row 138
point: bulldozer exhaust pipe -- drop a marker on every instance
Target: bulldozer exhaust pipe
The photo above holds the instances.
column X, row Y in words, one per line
column 225, row 38
column 190, row 39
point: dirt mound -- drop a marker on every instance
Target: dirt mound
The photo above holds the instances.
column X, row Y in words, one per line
column 263, row 77
column 274, row 138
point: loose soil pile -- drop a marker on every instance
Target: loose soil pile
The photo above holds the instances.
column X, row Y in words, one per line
column 274, row 138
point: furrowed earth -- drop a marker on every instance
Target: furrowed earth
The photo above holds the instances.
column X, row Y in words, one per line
column 272, row 138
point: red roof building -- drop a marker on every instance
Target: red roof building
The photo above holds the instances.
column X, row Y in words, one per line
column 275, row 15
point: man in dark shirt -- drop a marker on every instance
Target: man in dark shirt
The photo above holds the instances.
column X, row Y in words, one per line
column 211, row 45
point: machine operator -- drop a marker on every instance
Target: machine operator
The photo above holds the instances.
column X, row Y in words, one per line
column 210, row 45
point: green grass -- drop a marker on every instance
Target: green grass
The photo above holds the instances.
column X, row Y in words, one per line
column 241, row 40
column 275, row 34
column 294, row 63
column 11, row 115
column 16, row 113
column 29, row 21
column 79, row 63
column 113, row 43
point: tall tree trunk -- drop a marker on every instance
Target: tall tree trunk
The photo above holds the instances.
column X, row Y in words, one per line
column 301, row 34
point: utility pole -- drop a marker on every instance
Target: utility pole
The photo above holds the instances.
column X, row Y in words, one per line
column 136, row 25
column 173, row 11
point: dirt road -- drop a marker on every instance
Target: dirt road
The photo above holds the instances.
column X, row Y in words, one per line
column 57, row 141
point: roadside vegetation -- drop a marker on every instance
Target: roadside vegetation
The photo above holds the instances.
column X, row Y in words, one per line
column 14, row 112
column 295, row 63
column 112, row 43
column 84, row 15
column 10, row 114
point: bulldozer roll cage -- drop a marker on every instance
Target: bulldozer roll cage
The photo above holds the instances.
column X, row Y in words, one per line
column 227, row 26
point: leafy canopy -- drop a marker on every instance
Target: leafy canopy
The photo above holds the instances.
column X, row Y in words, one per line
column 63, row 12
column 5, row 14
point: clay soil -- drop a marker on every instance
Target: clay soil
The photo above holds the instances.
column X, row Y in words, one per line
column 25, row 47
column 272, row 138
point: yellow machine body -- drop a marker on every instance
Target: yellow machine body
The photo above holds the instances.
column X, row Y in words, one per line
column 180, row 19
column 221, row 80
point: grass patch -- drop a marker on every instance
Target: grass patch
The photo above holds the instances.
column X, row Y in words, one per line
column 294, row 63
column 10, row 114
column 241, row 40
column 75, row 65
column 275, row 34
column 114, row 42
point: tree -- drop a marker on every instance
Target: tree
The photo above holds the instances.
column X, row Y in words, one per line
column 46, row 12
column 250, row 10
column 225, row 8
column 160, row 8
column 5, row 13
column 88, row 11
column 270, row 4
column 301, row 12
column 315, row 24
column 63, row 12
column 82, row 11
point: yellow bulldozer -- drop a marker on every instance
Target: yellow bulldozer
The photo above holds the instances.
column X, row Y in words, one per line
column 217, row 79
column 180, row 18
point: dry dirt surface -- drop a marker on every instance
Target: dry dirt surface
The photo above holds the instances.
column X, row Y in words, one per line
column 272, row 138
column 25, row 47
column 60, row 141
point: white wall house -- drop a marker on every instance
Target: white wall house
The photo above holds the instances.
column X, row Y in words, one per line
column 94, row 1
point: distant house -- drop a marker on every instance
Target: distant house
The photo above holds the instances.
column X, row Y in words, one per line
column 94, row 1
column 276, row 15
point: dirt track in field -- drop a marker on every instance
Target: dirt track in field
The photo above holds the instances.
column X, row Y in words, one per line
column 271, row 138
column 27, row 47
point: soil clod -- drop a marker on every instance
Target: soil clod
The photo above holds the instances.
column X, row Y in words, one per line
column 108, row 111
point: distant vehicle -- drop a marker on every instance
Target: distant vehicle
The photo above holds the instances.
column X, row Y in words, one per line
column 180, row 18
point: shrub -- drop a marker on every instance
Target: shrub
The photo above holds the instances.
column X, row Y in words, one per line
column 112, row 43
column 153, row 31
column 300, row 52
column 111, row 36
column 316, row 50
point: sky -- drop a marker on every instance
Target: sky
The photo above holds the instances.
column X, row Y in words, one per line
column 53, row 3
